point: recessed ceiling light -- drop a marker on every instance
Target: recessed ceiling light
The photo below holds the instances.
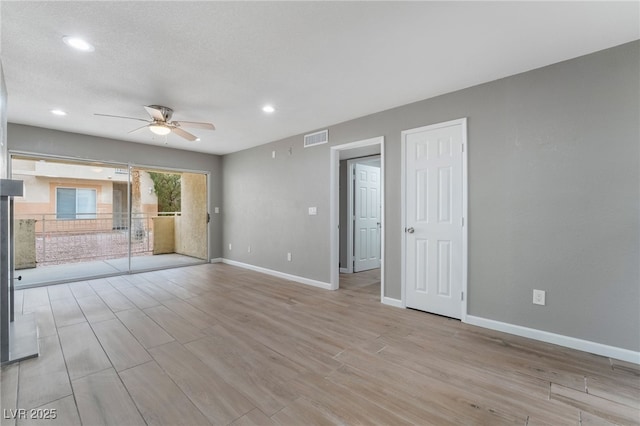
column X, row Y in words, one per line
column 78, row 43
column 268, row 108
column 58, row 112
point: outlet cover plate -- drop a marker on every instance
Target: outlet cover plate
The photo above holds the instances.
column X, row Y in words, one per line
column 539, row 297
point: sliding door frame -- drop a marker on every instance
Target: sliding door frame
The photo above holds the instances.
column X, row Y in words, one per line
column 129, row 166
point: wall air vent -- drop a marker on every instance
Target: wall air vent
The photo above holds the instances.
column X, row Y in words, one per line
column 316, row 138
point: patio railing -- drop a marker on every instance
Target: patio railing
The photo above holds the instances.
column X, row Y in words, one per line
column 98, row 237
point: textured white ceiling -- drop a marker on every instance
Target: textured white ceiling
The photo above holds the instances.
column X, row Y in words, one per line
column 319, row 63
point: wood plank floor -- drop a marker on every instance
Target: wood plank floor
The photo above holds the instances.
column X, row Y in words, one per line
column 215, row 344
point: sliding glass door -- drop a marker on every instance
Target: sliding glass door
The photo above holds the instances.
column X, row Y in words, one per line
column 79, row 220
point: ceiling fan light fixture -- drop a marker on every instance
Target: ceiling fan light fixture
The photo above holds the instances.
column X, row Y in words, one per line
column 160, row 129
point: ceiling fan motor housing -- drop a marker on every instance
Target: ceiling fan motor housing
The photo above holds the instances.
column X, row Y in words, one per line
column 166, row 112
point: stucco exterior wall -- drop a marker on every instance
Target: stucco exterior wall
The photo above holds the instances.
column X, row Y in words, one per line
column 193, row 223
column 25, row 243
column 163, row 235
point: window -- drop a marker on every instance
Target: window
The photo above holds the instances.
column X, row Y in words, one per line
column 75, row 203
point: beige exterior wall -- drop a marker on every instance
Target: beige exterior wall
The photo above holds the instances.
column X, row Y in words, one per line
column 42, row 178
column 193, row 222
column 25, row 243
column 55, row 168
column 163, row 235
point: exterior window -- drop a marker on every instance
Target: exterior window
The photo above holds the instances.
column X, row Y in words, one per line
column 75, row 203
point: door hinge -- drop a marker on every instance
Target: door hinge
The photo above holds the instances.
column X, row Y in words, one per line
column 462, row 296
column 208, row 218
column 462, row 147
column 462, row 220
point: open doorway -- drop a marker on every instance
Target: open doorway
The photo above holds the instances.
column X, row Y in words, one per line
column 357, row 216
column 360, row 212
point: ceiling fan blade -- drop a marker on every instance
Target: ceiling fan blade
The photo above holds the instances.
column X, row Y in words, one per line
column 156, row 114
column 120, row 116
column 178, row 131
column 195, row 124
column 139, row 128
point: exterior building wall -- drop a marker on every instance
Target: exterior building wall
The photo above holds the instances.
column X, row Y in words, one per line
column 25, row 243
column 164, row 235
column 192, row 226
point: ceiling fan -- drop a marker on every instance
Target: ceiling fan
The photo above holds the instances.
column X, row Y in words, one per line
column 161, row 123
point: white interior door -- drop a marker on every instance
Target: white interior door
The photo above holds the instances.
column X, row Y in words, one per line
column 366, row 218
column 434, row 218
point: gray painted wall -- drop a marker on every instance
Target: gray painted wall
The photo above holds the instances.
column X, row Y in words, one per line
column 3, row 126
column 52, row 142
column 554, row 196
column 267, row 207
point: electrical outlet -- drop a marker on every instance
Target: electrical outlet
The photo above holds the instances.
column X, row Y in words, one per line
column 289, row 257
column 539, row 297
column 313, row 211
column 216, row 210
column 249, row 249
column 273, row 154
column 229, row 246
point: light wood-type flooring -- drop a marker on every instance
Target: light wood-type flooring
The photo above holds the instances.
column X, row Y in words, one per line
column 215, row 344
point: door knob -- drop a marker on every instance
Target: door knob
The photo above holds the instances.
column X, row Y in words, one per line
column 410, row 230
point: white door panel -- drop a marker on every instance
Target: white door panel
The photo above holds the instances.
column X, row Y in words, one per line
column 433, row 208
column 366, row 218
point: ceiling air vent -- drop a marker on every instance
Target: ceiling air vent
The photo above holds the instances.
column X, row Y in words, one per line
column 316, row 138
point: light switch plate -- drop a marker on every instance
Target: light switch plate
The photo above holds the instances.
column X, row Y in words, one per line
column 313, row 211
column 216, row 210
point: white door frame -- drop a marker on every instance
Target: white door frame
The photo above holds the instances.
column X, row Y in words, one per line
column 350, row 207
column 403, row 195
column 334, row 208
column 350, row 204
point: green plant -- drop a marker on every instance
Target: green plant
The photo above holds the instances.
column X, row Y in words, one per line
column 167, row 189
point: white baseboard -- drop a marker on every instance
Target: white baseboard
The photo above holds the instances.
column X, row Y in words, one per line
column 557, row 339
column 392, row 302
column 217, row 260
column 344, row 270
column 301, row 280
